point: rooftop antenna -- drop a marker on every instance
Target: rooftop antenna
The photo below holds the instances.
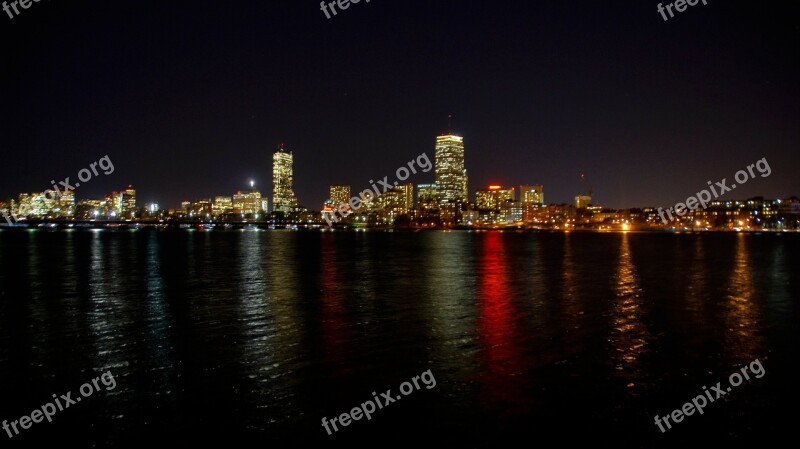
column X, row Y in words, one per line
column 449, row 123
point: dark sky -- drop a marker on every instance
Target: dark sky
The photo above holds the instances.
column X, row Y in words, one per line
column 190, row 98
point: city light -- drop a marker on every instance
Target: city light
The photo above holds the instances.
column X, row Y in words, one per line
column 411, row 205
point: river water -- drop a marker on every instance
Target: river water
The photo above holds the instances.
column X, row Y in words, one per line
column 229, row 337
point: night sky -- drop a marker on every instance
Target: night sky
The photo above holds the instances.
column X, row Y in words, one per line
column 190, row 98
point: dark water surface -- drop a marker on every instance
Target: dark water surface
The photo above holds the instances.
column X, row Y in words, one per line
column 255, row 336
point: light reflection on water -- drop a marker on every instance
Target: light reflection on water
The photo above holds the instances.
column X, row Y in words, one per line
column 266, row 332
column 629, row 337
column 743, row 339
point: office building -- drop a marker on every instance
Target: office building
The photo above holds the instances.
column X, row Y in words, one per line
column 202, row 208
column 451, row 176
column 222, row 205
column 127, row 202
column 407, row 195
column 247, row 203
column 114, row 203
column 65, row 205
column 340, row 194
column 511, row 211
column 33, row 205
column 531, row 212
column 533, row 193
column 283, row 199
column 427, row 197
column 493, row 197
column 91, row 209
column 392, row 204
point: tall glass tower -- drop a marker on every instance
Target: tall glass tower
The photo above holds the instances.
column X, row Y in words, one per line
column 283, row 199
column 451, row 176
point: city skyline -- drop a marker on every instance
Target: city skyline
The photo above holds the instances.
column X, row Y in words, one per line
column 449, row 148
column 647, row 109
column 258, row 223
column 451, row 157
column 494, row 206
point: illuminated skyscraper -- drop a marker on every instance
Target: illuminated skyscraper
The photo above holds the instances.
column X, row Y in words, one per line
column 283, row 198
column 128, row 201
column 451, row 176
column 531, row 199
column 407, row 194
column 493, row 198
column 114, row 202
column 340, row 193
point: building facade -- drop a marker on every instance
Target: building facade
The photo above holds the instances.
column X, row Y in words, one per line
column 247, row 203
column 128, row 202
column 427, row 197
column 451, row 176
column 340, row 194
column 532, row 193
column 283, row 199
column 493, row 197
column 222, row 205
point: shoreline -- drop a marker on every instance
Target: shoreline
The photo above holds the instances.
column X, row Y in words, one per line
column 54, row 225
